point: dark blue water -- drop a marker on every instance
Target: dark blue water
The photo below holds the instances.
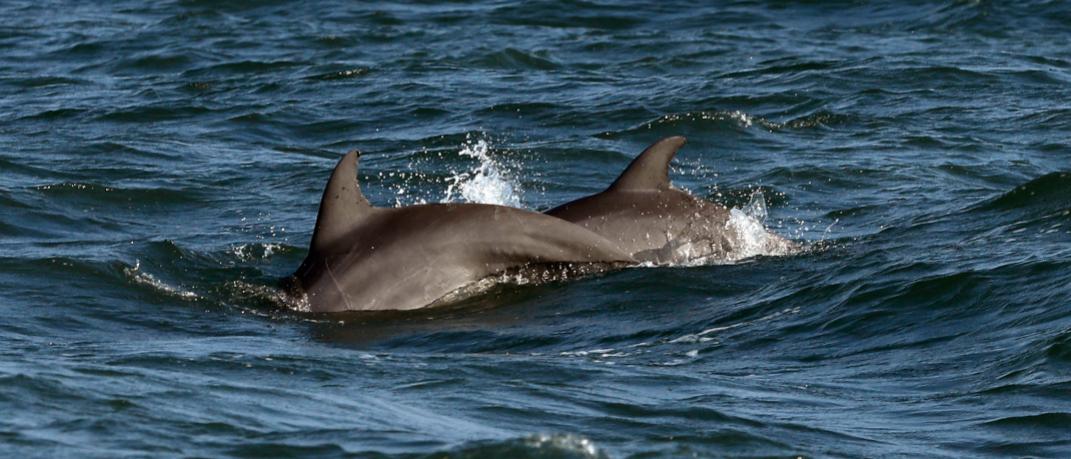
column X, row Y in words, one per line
column 161, row 166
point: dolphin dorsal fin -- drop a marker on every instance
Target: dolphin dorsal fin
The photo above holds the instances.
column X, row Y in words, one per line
column 650, row 170
column 343, row 205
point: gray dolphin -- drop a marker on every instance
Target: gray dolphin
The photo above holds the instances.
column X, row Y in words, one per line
column 656, row 223
column 369, row 258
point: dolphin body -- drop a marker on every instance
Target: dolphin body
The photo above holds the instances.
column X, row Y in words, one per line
column 370, row 258
column 644, row 215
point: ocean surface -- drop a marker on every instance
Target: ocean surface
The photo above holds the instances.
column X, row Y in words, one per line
column 161, row 165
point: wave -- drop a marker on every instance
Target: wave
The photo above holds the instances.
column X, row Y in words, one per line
column 56, row 114
column 515, row 59
column 345, row 74
column 154, row 63
column 1058, row 348
column 571, row 14
column 104, row 194
column 783, row 67
column 43, row 81
column 705, row 121
column 534, row 446
column 1044, row 193
column 154, row 113
column 136, row 275
column 1051, row 420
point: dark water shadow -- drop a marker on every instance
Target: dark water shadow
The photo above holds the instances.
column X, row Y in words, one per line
column 500, row 307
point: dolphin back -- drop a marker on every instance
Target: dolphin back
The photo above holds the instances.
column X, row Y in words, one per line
column 643, row 214
column 366, row 258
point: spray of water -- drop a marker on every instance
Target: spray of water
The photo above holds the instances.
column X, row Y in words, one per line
column 489, row 183
column 492, row 180
column 749, row 235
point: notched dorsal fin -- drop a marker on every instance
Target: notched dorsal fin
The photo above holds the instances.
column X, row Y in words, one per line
column 342, row 206
column 650, row 170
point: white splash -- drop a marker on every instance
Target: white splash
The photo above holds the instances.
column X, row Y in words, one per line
column 293, row 300
column 749, row 236
column 565, row 445
column 756, row 207
column 257, row 251
column 137, row 275
column 489, row 183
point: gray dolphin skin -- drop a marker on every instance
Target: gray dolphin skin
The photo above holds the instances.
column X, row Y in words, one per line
column 650, row 219
column 370, row 258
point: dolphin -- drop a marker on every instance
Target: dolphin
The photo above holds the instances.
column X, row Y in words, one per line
column 657, row 223
column 363, row 257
